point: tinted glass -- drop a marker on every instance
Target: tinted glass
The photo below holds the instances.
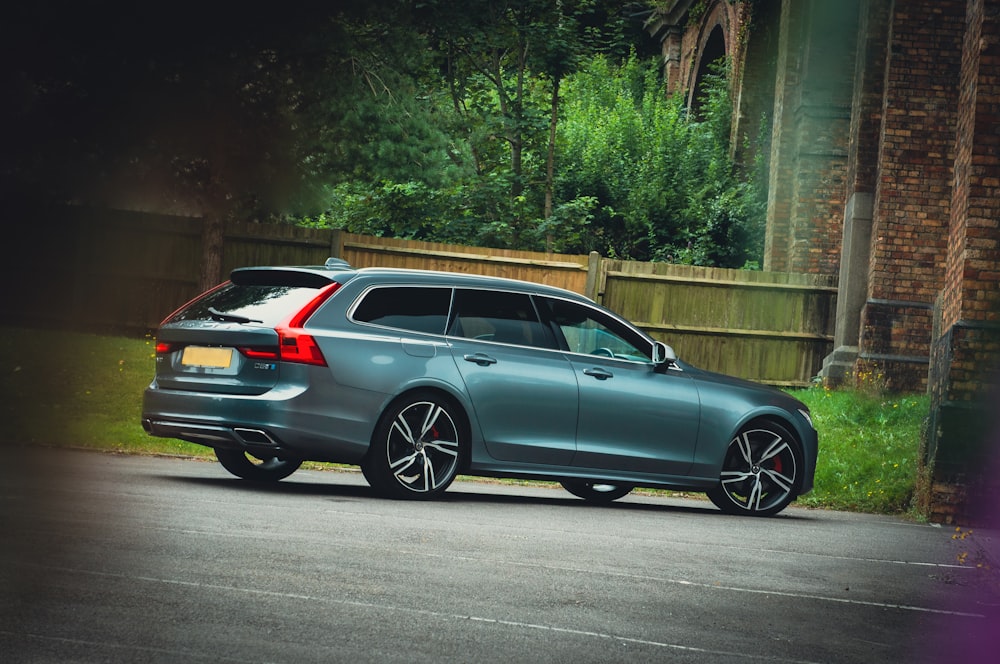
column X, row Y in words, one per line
column 592, row 332
column 268, row 305
column 408, row 308
column 501, row 317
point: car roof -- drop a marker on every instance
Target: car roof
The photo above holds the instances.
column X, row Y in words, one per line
column 342, row 272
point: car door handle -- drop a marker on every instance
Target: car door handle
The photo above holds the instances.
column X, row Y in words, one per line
column 598, row 373
column 481, row 359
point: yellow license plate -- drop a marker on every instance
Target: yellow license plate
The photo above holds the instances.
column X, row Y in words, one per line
column 201, row 356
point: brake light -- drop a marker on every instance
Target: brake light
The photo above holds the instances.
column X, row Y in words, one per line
column 294, row 344
column 163, row 348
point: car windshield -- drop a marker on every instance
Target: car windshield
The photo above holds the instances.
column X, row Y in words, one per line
column 266, row 304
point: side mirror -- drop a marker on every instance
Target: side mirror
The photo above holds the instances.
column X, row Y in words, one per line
column 663, row 354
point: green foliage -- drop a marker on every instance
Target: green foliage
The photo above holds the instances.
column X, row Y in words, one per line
column 665, row 184
column 636, row 176
column 78, row 390
column 869, row 448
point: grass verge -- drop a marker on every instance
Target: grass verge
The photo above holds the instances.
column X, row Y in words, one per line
column 869, row 448
column 84, row 390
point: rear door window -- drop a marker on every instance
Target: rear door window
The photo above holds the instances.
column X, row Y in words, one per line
column 500, row 317
column 413, row 308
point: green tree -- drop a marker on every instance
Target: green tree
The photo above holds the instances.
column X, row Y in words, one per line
column 503, row 62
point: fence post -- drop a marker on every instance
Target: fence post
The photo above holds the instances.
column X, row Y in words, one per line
column 593, row 276
column 336, row 243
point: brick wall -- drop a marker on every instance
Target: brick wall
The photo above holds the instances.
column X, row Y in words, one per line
column 910, row 222
column 965, row 354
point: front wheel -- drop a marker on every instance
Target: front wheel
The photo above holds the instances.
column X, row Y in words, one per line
column 597, row 492
column 415, row 449
column 248, row 467
column 760, row 473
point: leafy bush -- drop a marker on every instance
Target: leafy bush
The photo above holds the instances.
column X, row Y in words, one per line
column 666, row 186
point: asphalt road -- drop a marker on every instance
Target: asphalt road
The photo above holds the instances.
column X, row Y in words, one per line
column 110, row 558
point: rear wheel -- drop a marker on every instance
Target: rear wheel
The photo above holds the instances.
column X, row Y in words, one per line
column 597, row 492
column 415, row 449
column 249, row 467
column 760, row 473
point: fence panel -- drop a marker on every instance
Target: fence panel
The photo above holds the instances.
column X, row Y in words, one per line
column 569, row 272
column 114, row 270
column 247, row 244
column 769, row 327
column 129, row 271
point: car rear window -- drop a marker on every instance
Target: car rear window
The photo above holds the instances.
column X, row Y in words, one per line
column 413, row 308
column 265, row 304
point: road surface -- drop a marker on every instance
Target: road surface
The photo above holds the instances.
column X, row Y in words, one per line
column 112, row 558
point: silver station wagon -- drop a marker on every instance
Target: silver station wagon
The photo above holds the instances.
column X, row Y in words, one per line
column 419, row 376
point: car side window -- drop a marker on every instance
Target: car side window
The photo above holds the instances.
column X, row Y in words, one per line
column 500, row 317
column 414, row 308
column 592, row 332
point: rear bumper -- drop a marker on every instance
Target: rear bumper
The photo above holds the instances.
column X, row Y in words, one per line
column 214, row 435
column 291, row 422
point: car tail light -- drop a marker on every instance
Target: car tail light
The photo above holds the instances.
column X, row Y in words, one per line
column 260, row 352
column 164, row 348
column 294, row 344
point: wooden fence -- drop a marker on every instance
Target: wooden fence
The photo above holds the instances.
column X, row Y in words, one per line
column 109, row 270
column 770, row 327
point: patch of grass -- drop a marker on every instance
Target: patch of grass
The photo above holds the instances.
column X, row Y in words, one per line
column 869, row 448
column 84, row 390
column 79, row 390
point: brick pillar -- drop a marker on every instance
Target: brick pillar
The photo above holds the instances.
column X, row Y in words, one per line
column 754, row 66
column 816, row 52
column 777, row 237
column 672, row 67
column 966, row 338
column 862, row 171
column 912, row 205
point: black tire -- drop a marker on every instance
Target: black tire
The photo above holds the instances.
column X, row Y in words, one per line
column 761, row 472
column 597, row 492
column 248, row 467
column 416, row 447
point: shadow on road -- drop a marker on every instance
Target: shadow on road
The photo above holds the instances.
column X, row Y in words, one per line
column 467, row 493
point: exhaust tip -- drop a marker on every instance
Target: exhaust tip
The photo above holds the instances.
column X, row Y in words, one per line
column 254, row 437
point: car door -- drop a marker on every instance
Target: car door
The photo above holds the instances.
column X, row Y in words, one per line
column 632, row 417
column 522, row 388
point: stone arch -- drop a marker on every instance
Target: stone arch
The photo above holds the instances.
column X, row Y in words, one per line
column 715, row 40
column 713, row 49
